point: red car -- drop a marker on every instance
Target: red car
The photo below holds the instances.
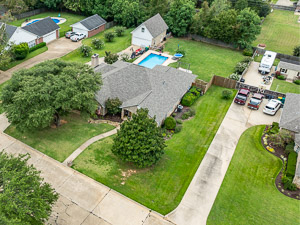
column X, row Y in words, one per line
column 255, row 101
column 242, row 96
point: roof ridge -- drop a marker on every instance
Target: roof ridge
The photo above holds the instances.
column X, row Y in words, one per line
column 88, row 17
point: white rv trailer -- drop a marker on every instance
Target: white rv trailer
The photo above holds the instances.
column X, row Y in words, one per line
column 267, row 61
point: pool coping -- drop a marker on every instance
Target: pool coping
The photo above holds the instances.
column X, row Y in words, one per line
column 146, row 54
column 61, row 20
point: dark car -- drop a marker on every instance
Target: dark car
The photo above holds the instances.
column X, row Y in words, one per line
column 242, row 96
column 69, row 34
column 255, row 101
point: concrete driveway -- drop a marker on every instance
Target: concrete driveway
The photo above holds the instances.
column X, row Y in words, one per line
column 199, row 198
column 56, row 49
column 284, row 2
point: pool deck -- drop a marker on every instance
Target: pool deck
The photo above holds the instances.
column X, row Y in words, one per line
column 146, row 54
column 61, row 20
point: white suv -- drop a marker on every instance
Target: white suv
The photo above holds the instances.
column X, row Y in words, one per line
column 77, row 37
column 272, row 107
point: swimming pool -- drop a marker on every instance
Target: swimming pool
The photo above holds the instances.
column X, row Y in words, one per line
column 152, row 60
column 34, row 21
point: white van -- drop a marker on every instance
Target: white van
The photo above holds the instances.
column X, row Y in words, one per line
column 267, row 61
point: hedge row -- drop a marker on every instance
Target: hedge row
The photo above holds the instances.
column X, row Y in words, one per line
column 191, row 96
column 40, row 45
column 291, row 164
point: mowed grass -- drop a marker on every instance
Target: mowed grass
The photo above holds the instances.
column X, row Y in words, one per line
column 248, row 194
column 64, row 27
column 205, row 60
column 117, row 45
column 285, row 87
column 280, row 32
column 160, row 187
column 29, row 56
column 59, row 143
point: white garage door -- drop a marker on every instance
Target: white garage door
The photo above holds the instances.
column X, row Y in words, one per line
column 49, row 37
column 140, row 42
column 80, row 31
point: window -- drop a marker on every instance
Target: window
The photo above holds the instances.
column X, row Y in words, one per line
column 31, row 44
column 143, row 29
column 283, row 70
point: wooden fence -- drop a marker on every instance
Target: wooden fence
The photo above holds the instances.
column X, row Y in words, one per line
column 282, row 7
column 279, row 55
column 29, row 13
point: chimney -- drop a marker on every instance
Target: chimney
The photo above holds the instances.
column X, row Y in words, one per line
column 95, row 60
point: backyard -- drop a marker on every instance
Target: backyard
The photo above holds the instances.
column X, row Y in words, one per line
column 59, row 143
column 280, row 32
column 205, row 60
column 285, row 87
column 248, row 194
column 64, row 27
column 162, row 186
column 117, row 45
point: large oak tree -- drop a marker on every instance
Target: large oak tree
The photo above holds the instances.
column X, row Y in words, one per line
column 36, row 97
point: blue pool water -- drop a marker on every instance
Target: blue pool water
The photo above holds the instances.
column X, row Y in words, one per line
column 34, row 21
column 152, row 60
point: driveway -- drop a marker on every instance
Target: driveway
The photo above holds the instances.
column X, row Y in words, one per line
column 56, row 49
column 254, row 78
column 82, row 200
column 199, row 198
column 284, row 2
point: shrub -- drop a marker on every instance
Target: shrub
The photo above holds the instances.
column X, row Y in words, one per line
column 179, row 121
column 120, row 31
column 240, row 67
column 195, row 91
column 98, row 43
column 296, row 51
column 264, row 10
column 109, row 36
column 291, row 164
column 192, row 112
column 174, row 114
column 85, row 50
column 288, row 183
column 178, row 129
column 125, row 57
column 110, row 58
column 281, row 77
column 40, row 45
column 180, row 51
column 185, row 115
column 297, row 82
column 226, row 94
column 113, row 106
column 289, row 148
column 234, row 76
column 275, row 128
column 170, row 123
column 281, row 138
column 188, row 99
column 277, row 73
column 20, row 51
column 247, row 60
column 248, row 52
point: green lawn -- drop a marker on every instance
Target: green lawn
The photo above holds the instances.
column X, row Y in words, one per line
column 162, row 186
column 59, row 143
column 119, row 44
column 64, row 27
column 205, row 60
column 285, row 87
column 248, row 194
column 29, row 56
column 280, row 32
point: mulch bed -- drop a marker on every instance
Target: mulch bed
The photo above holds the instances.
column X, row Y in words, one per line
column 280, row 152
column 179, row 114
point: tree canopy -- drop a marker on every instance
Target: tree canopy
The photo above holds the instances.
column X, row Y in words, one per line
column 36, row 97
column 24, row 197
column 139, row 140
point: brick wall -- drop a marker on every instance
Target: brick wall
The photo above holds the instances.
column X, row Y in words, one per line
column 96, row 31
column 57, row 34
column 39, row 40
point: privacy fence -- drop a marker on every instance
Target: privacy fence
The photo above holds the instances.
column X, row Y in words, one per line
column 29, row 13
column 282, row 7
column 279, row 55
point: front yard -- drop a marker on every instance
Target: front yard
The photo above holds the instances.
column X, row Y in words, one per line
column 59, row 143
column 280, row 32
column 205, row 60
column 119, row 44
column 285, row 87
column 64, row 27
column 248, row 194
column 162, row 186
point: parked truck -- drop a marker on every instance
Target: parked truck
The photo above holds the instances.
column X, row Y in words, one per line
column 267, row 61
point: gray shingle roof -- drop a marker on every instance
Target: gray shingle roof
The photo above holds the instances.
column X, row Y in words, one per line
column 158, row 89
column 42, row 27
column 93, row 22
column 297, row 139
column 10, row 30
column 289, row 66
column 290, row 116
column 156, row 25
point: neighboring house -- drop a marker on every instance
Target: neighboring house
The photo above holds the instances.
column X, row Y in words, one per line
column 150, row 33
column 46, row 30
column 159, row 89
column 290, row 69
column 89, row 26
column 290, row 120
